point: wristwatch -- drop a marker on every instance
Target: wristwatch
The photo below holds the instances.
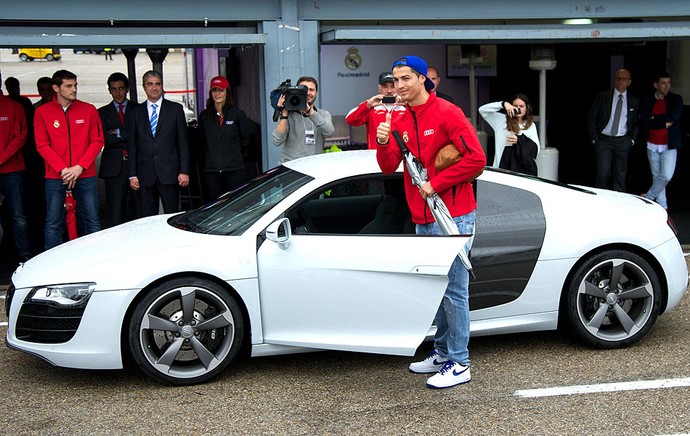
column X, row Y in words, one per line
column 283, row 117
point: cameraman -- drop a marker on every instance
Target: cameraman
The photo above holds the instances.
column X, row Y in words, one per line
column 302, row 132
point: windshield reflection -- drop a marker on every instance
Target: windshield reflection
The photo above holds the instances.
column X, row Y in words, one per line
column 234, row 212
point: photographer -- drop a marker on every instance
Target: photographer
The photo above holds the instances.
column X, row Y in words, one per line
column 302, row 132
column 516, row 139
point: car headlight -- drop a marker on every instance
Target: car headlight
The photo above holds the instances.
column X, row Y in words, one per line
column 61, row 295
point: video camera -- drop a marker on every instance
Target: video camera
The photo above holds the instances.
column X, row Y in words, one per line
column 295, row 98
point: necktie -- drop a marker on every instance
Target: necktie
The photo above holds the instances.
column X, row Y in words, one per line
column 121, row 113
column 617, row 116
column 154, row 119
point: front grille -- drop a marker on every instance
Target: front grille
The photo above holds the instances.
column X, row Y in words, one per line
column 48, row 324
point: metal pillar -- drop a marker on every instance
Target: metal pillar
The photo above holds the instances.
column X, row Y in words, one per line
column 130, row 54
column 157, row 56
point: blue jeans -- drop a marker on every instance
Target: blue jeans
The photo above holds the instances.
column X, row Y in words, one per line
column 453, row 316
column 86, row 195
column 12, row 187
column 662, row 165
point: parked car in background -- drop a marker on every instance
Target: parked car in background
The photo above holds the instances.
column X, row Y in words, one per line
column 49, row 54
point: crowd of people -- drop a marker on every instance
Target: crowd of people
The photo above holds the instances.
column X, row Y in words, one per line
column 49, row 186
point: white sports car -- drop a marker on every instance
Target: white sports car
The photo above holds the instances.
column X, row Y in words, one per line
column 320, row 254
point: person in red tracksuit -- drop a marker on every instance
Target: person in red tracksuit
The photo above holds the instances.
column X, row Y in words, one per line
column 69, row 136
column 373, row 111
column 13, row 132
column 429, row 124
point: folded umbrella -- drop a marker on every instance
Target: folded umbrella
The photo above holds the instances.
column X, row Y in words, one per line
column 71, row 216
column 419, row 176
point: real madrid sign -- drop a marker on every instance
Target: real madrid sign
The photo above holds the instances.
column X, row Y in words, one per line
column 353, row 62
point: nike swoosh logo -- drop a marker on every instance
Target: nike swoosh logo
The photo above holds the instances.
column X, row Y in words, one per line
column 458, row 373
column 436, row 362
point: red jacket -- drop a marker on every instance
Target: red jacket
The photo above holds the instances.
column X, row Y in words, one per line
column 68, row 138
column 12, row 135
column 372, row 117
column 426, row 129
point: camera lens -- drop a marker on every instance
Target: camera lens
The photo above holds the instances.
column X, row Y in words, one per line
column 295, row 101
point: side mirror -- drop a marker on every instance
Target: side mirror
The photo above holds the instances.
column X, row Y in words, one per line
column 279, row 232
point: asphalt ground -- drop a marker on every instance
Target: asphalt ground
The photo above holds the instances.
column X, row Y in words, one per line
column 351, row 393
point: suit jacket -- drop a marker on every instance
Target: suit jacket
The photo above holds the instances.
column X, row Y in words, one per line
column 112, row 162
column 600, row 113
column 161, row 157
column 674, row 110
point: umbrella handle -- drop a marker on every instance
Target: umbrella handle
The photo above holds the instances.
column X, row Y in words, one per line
column 401, row 143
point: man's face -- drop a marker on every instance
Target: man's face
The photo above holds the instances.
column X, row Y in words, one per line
column 408, row 84
column 118, row 91
column 432, row 75
column 663, row 86
column 387, row 89
column 311, row 91
column 622, row 80
column 153, row 87
column 46, row 91
column 67, row 91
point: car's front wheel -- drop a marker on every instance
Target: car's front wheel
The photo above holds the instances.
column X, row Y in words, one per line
column 49, row 57
column 613, row 299
column 186, row 331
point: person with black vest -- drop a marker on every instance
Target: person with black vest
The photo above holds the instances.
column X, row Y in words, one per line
column 225, row 142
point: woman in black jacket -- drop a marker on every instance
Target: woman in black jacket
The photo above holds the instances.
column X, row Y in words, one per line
column 225, row 139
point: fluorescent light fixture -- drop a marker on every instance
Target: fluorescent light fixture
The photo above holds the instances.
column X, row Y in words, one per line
column 577, row 21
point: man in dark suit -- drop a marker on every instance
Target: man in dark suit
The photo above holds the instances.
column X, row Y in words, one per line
column 158, row 149
column 612, row 127
column 116, row 117
column 432, row 74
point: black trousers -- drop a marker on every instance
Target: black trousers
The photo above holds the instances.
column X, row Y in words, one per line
column 215, row 184
column 612, row 160
column 169, row 196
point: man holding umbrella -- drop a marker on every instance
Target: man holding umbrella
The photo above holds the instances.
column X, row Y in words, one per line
column 69, row 136
column 429, row 125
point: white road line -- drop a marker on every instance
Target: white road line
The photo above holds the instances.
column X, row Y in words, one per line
column 604, row 387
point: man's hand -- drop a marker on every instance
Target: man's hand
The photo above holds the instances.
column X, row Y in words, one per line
column 383, row 131
column 183, row 179
column 426, row 190
column 374, row 101
column 281, row 105
column 70, row 175
column 134, row 183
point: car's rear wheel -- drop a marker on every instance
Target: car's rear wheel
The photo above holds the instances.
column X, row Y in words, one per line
column 49, row 57
column 186, row 331
column 613, row 299
column 23, row 57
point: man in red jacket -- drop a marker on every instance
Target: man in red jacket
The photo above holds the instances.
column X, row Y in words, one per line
column 429, row 124
column 69, row 136
column 13, row 131
column 373, row 111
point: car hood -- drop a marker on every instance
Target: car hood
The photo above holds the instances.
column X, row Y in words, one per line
column 132, row 255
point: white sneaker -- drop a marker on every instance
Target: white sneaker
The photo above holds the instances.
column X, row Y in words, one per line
column 430, row 365
column 450, row 374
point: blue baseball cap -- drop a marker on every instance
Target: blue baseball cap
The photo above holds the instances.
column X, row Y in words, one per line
column 419, row 65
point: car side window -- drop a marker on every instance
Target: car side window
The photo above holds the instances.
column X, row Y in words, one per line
column 368, row 205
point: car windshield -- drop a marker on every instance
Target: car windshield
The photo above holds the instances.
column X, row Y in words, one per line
column 234, row 212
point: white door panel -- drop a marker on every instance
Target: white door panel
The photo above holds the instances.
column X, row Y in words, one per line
column 348, row 292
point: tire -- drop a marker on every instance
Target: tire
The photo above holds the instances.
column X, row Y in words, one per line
column 606, row 316
column 23, row 57
column 186, row 331
column 49, row 57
